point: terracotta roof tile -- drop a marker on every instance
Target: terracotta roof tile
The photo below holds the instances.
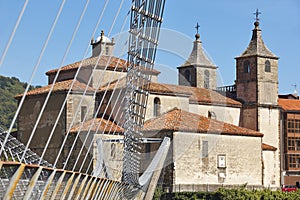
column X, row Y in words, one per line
column 99, row 125
column 289, row 104
column 109, row 61
column 196, row 95
column 266, row 147
column 59, row 86
column 179, row 120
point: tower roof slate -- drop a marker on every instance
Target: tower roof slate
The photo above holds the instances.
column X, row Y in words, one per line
column 257, row 46
column 198, row 57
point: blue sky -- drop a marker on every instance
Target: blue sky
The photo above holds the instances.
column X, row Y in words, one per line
column 225, row 28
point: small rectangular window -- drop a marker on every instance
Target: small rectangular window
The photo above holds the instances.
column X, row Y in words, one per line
column 83, row 112
column 147, row 150
column 204, row 149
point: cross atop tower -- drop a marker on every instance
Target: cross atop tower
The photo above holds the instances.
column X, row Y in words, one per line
column 257, row 13
column 197, row 28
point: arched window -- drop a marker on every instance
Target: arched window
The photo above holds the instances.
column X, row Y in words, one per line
column 156, row 108
column 187, row 75
column 267, row 66
column 206, row 79
column 247, row 66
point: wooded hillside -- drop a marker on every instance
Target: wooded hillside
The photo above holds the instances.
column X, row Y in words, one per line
column 9, row 87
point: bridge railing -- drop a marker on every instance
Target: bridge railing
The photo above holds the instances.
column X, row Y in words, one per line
column 23, row 181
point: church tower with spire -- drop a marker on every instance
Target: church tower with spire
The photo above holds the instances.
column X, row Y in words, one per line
column 198, row 70
column 257, row 77
column 257, row 71
column 257, row 88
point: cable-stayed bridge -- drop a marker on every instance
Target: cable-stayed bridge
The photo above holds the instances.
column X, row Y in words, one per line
column 62, row 147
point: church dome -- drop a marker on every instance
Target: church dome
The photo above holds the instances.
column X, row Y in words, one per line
column 104, row 39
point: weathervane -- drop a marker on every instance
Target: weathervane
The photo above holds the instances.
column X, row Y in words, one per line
column 257, row 13
column 197, row 28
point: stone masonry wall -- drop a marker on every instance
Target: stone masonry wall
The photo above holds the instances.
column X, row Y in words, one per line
column 243, row 160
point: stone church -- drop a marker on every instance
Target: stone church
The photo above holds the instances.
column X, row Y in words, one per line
column 221, row 136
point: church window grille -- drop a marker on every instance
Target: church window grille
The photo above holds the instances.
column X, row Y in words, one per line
column 157, row 106
column 83, row 112
column 187, row 75
column 267, row 66
column 107, row 50
column 247, row 66
column 204, row 149
column 206, row 79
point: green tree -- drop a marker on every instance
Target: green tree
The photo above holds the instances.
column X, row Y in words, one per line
column 9, row 88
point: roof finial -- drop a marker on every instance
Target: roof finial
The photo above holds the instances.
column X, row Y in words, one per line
column 257, row 13
column 197, row 28
column 295, row 90
column 101, row 35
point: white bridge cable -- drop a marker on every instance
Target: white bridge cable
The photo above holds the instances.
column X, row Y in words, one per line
column 143, row 99
column 118, row 123
column 104, row 113
column 100, row 104
column 99, row 107
column 141, row 39
column 116, row 101
column 55, row 78
column 33, row 73
column 112, row 112
column 13, row 33
column 93, row 121
column 74, row 80
column 77, row 110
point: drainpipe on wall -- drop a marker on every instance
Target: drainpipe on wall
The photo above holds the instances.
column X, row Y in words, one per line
column 262, row 166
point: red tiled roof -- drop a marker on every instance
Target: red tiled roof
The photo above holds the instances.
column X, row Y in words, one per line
column 59, row 86
column 179, row 120
column 99, row 125
column 109, row 61
column 117, row 84
column 289, row 104
column 266, row 147
column 198, row 95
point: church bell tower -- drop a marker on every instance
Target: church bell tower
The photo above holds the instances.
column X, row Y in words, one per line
column 198, row 70
column 257, row 72
column 257, row 88
column 256, row 80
